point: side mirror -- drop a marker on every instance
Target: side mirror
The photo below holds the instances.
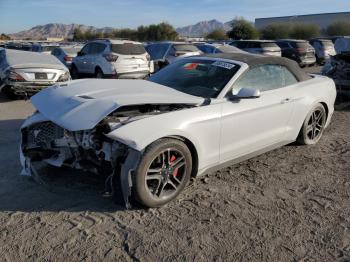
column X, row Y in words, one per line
column 244, row 93
column 80, row 53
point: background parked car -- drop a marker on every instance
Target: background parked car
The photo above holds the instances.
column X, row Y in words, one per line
column 217, row 48
column 298, row 50
column 45, row 48
column 342, row 45
column 66, row 54
column 263, row 47
column 324, row 49
column 25, row 73
column 338, row 66
column 112, row 58
column 165, row 53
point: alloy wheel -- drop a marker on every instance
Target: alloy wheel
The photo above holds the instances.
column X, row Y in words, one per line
column 166, row 173
column 315, row 124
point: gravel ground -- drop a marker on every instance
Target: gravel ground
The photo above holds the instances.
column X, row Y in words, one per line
column 292, row 204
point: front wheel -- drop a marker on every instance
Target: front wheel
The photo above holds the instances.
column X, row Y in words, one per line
column 313, row 126
column 164, row 171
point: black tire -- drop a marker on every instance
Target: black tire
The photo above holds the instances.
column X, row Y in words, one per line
column 74, row 72
column 98, row 73
column 311, row 131
column 7, row 90
column 167, row 185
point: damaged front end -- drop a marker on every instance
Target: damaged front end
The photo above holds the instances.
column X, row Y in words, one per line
column 89, row 150
column 338, row 68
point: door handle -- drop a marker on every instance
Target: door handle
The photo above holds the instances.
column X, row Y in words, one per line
column 286, row 100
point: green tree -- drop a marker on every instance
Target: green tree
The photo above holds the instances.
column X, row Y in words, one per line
column 157, row 32
column 305, row 31
column 276, row 31
column 217, row 34
column 4, row 37
column 339, row 28
column 242, row 29
column 78, row 35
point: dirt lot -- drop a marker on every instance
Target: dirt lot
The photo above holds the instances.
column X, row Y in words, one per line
column 292, row 204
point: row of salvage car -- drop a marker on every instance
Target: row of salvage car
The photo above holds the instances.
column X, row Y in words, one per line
column 25, row 73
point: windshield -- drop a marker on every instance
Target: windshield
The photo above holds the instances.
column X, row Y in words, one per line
column 128, row 49
column 186, row 48
column 327, row 43
column 198, row 77
column 49, row 48
column 268, row 45
column 157, row 51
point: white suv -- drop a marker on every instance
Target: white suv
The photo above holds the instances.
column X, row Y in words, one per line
column 107, row 58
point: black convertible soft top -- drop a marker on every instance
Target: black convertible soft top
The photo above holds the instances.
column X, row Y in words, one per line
column 254, row 60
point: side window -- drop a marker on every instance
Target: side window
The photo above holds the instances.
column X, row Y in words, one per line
column 283, row 45
column 86, row 49
column 99, row 48
column 172, row 51
column 241, row 45
column 93, row 48
column 265, row 78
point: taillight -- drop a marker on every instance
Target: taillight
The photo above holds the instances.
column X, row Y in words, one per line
column 301, row 50
column 68, row 58
column 16, row 77
column 110, row 57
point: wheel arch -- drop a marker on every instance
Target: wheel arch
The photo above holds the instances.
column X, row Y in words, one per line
column 324, row 104
column 194, row 154
column 98, row 68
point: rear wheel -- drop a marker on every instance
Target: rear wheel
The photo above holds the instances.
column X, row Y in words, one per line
column 163, row 172
column 74, row 72
column 99, row 73
column 7, row 90
column 313, row 126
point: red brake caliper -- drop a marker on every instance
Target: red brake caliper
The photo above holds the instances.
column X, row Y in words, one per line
column 172, row 159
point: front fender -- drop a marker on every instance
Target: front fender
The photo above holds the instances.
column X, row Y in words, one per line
column 141, row 140
column 199, row 125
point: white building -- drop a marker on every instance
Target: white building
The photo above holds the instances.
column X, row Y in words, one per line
column 323, row 20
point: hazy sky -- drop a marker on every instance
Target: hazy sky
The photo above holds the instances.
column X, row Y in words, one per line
column 16, row 15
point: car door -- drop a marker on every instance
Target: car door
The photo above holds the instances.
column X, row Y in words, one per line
column 81, row 60
column 90, row 57
column 250, row 125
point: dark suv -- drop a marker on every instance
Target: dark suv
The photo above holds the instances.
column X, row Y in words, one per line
column 299, row 50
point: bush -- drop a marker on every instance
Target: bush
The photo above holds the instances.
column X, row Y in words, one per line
column 339, row 28
column 217, row 34
column 305, row 31
column 242, row 29
column 276, row 31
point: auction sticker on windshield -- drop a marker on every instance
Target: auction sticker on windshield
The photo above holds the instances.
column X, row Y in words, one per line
column 223, row 64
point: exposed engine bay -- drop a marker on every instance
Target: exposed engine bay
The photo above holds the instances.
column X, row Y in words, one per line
column 90, row 150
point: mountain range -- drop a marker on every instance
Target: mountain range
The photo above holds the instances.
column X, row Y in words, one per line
column 203, row 28
column 56, row 30
column 66, row 30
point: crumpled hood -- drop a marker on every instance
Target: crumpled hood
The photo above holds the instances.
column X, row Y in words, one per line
column 82, row 104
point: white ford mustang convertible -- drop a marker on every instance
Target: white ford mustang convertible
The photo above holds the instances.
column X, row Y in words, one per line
column 196, row 115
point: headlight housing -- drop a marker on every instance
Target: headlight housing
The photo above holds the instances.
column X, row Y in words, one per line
column 64, row 77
